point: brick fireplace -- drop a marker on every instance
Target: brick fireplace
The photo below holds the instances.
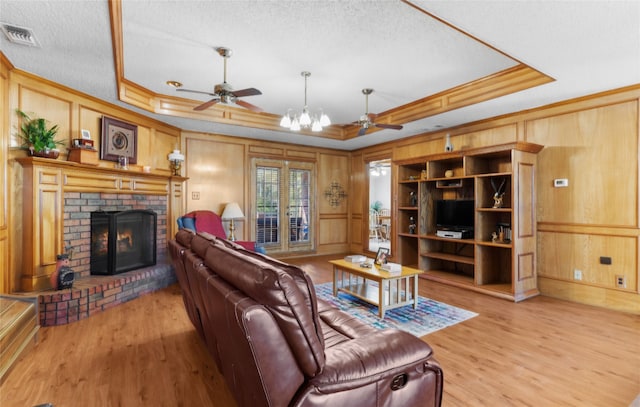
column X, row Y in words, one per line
column 91, row 294
column 77, row 222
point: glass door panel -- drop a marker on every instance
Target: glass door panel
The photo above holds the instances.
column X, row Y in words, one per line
column 284, row 202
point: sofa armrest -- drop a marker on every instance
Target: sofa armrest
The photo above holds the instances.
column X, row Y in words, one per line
column 367, row 357
column 388, row 367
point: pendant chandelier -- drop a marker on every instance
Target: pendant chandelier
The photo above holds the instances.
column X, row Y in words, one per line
column 305, row 120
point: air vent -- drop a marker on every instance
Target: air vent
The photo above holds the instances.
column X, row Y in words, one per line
column 20, row 35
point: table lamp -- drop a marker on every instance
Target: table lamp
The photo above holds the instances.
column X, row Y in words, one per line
column 176, row 161
column 231, row 212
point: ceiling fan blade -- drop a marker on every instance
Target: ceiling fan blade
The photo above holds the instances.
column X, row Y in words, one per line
column 249, row 106
column 196, row 91
column 362, row 131
column 246, row 92
column 206, row 105
column 389, row 126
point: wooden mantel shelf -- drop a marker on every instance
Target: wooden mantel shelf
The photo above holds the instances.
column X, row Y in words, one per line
column 135, row 171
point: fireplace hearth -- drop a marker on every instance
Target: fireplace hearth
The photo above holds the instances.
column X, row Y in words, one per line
column 122, row 241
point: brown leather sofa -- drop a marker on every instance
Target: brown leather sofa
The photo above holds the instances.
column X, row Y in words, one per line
column 276, row 344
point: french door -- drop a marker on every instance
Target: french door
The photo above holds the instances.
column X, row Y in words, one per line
column 283, row 203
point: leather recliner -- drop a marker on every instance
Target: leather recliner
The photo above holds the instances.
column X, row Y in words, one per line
column 276, row 344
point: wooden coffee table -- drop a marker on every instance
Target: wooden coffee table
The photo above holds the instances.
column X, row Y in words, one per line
column 392, row 290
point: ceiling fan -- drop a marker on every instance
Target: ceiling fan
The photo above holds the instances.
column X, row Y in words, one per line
column 223, row 92
column 367, row 119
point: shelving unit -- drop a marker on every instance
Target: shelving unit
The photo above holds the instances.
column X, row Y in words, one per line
column 409, row 178
column 503, row 264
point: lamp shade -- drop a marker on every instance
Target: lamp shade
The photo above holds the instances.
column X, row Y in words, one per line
column 176, row 156
column 232, row 211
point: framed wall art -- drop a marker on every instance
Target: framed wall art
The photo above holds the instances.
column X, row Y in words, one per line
column 119, row 139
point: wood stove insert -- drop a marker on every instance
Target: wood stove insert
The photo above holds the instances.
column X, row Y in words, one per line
column 122, row 241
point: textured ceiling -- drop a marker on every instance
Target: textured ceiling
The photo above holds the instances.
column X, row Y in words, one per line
column 401, row 52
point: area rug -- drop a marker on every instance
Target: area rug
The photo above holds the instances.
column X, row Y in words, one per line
column 430, row 316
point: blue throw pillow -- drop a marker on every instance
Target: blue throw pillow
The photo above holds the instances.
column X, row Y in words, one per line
column 189, row 223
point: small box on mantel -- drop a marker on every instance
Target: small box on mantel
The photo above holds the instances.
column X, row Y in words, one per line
column 83, row 156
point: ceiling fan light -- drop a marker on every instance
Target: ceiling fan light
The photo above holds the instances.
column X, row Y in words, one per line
column 316, row 126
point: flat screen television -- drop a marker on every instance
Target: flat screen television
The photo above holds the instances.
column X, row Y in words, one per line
column 454, row 214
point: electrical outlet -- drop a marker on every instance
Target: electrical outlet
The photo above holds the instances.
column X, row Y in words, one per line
column 195, row 196
column 621, row 281
column 577, row 274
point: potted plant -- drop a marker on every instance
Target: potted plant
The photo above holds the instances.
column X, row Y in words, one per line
column 37, row 138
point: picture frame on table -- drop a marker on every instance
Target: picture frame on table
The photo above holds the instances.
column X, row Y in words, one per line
column 119, row 139
column 382, row 256
column 85, row 134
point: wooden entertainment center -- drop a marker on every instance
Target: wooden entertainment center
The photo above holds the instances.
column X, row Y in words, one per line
column 486, row 262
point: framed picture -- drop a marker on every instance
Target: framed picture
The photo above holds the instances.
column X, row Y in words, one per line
column 381, row 257
column 119, row 139
column 86, row 134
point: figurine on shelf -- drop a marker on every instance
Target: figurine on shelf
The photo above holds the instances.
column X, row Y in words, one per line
column 412, row 226
column 498, row 195
column 494, row 237
column 413, row 199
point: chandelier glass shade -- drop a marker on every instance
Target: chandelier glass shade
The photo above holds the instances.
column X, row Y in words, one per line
column 305, row 120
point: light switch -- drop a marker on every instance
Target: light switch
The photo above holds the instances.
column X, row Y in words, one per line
column 560, row 182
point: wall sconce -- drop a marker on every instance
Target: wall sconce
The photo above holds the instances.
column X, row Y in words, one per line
column 176, row 161
column 232, row 211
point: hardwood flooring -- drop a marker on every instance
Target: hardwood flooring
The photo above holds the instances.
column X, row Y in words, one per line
column 540, row 352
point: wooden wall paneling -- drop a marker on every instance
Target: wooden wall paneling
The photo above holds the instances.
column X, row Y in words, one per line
column 597, row 151
column 333, row 220
column 6, row 281
column 217, row 176
column 561, row 253
column 42, row 197
column 592, row 295
column 358, row 232
column 177, row 203
column 333, row 168
column 53, row 108
column 334, row 231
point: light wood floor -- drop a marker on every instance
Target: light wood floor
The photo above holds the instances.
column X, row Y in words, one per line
column 540, row 352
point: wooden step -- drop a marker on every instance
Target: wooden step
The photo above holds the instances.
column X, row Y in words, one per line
column 18, row 328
